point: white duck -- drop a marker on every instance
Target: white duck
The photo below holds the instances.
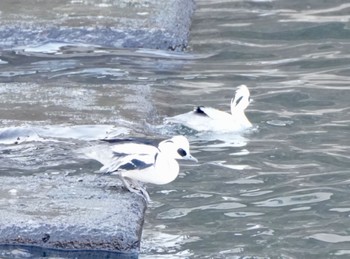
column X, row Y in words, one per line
column 138, row 162
column 209, row 119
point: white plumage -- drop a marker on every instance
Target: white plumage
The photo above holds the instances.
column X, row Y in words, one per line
column 210, row 119
column 137, row 162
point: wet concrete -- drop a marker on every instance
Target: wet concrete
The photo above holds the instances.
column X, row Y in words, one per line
column 49, row 198
column 75, row 212
column 152, row 24
column 51, row 202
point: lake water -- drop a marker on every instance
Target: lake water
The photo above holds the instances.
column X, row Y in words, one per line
column 280, row 191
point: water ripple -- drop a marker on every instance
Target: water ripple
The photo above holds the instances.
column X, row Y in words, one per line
column 182, row 212
column 337, row 13
column 243, row 214
column 330, row 238
column 295, row 199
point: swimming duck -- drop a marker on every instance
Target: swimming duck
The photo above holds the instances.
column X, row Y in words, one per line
column 210, row 119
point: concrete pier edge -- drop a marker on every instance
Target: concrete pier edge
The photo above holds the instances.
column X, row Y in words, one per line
column 74, row 212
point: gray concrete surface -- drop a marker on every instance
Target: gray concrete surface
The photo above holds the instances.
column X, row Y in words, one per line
column 155, row 24
column 88, row 212
column 76, row 211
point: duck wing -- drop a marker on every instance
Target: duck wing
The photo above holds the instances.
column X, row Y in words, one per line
column 133, row 148
column 130, row 163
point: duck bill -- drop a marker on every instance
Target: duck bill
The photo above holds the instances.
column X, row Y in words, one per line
column 191, row 158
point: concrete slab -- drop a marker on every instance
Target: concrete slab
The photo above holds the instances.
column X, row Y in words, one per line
column 153, row 24
column 74, row 212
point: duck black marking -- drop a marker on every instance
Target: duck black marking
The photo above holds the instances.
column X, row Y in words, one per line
column 238, row 100
column 118, row 141
column 118, row 154
column 198, row 110
column 181, row 152
column 134, row 164
column 130, row 140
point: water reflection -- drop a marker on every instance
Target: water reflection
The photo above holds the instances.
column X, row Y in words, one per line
column 157, row 244
column 336, row 13
column 182, row 212
column 330, row 238
column 8, row 251
column 311, row 197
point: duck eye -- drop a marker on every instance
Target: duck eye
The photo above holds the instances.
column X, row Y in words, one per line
column 181, row 152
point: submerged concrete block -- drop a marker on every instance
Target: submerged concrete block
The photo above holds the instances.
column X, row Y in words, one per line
column 153, row 24
column 74, row 212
